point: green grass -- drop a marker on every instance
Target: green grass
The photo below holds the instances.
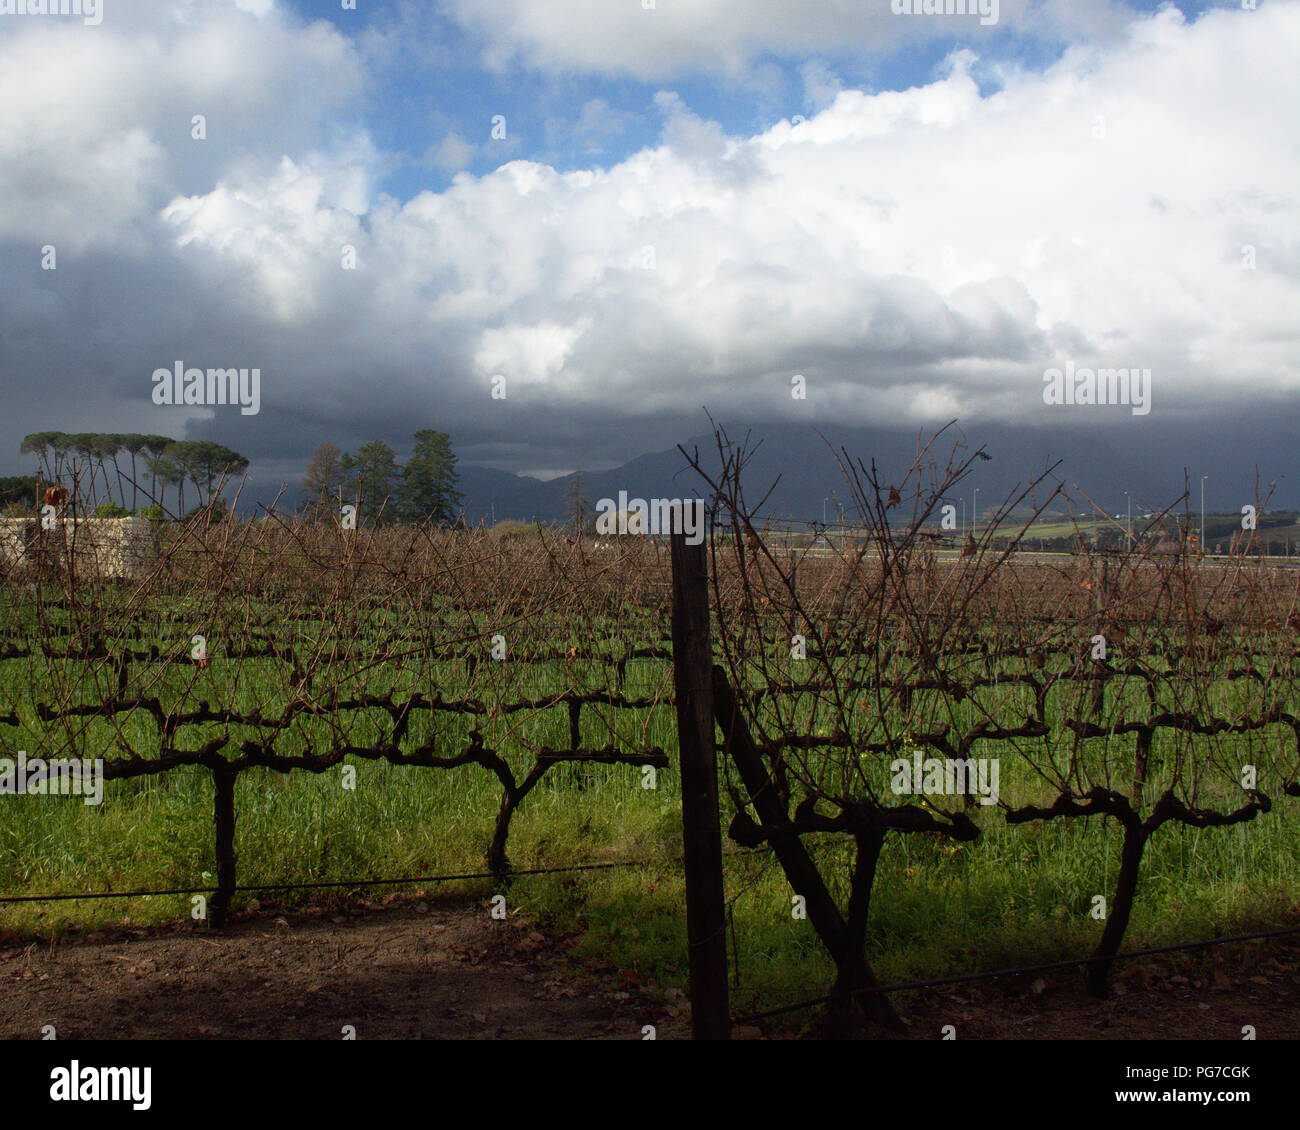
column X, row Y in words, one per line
column 1018, row 894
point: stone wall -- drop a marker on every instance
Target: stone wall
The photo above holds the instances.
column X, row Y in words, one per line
column 102, row 547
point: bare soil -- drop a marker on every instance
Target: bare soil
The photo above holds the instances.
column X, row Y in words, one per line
column 403, row 970
column 397, row 972
column 1210, row 994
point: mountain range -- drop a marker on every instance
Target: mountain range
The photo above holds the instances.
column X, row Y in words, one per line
column 807, row 484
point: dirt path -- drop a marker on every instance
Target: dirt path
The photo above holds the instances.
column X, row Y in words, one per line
column 1194, row 995
column 448, row 971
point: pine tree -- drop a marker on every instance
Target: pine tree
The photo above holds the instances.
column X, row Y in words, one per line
column 373, row 476
column 429, row 480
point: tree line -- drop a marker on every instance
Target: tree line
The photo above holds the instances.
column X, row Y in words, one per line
column 388, row 492
column 96, row 465
column 85, row 459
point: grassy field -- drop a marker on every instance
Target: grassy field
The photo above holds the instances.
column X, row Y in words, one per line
column 1020, row 894
column 1017, row 894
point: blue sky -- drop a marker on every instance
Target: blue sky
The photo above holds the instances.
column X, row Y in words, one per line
column 438, row 84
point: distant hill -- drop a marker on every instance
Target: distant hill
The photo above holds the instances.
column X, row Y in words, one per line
column 799, row 463
column 1104, row 463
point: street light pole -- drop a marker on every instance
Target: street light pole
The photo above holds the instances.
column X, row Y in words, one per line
column 963, row 515
column 824, row 502
column 974, row 502
column 1130, row 516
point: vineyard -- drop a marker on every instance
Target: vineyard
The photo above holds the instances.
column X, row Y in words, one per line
column 928, row 763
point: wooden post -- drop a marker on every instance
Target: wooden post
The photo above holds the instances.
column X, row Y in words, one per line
column 224, row 813
column 701, row 825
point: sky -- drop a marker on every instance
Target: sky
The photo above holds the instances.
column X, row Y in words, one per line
column 615, row 214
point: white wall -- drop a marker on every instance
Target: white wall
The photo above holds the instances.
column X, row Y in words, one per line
column 105, row 547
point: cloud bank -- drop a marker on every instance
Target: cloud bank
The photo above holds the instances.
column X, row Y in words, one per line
column 913, row 255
